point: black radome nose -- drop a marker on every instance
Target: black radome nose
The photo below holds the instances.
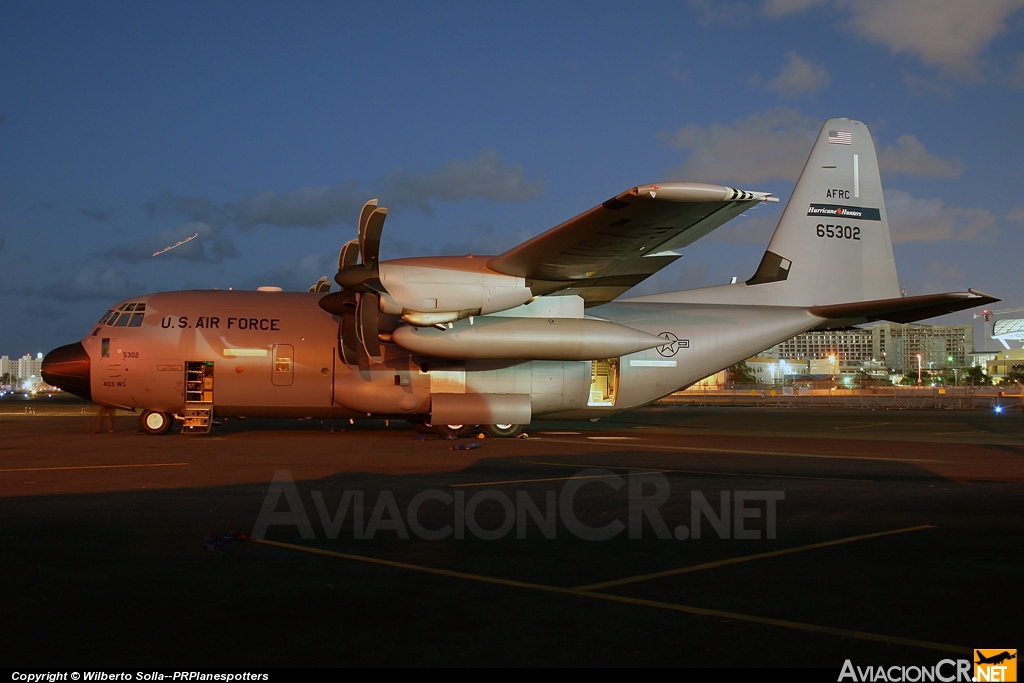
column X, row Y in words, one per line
column 67, row 367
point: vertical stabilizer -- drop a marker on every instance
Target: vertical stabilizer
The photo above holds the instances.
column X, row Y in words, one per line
column 832, row 244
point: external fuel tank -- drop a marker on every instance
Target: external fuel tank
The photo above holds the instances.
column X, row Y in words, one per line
column 527, row 339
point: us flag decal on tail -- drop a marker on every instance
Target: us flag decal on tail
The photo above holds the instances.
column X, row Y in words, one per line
column 840, row 137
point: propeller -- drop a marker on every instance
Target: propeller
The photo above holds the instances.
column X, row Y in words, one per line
column 322, row 285
column 358, row 302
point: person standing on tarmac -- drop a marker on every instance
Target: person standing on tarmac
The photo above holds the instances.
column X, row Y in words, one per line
column 104, row 412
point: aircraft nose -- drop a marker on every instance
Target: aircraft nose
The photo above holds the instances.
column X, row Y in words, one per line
column 67, row 367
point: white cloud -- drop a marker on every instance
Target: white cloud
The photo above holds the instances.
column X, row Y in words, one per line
column 754, row 227
column 314, row 207
column 778, row 8
column 677, row 67
column 799, row 76
column 297, row 275
column 720, row 12
column 909, row 156
column 676, row 277
column 485, row 177
column 766, row 146
column 94, row 283
column 1017, row 214
column 97, row 214
column 484, row 240
column 949, row 34
column 1017, row 74
column 948, row 272
column 928, row 85
column 931, row 220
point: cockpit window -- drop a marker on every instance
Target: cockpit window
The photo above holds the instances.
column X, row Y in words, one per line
column 125, row 319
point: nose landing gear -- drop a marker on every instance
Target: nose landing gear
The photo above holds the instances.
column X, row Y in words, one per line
column 155, row 423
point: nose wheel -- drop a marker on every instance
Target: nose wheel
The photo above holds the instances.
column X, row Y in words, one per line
column 156, row 423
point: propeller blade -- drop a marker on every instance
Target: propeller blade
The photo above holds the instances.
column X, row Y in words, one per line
column 364, row 215
column 347, row 342
column 369, row 238
column 369, row 307
column 349, row 254
column 343, row 304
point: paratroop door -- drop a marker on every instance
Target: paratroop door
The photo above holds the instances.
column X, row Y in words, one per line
column 282, row 373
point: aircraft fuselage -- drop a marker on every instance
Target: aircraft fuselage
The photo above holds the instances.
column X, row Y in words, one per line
column 275, row 354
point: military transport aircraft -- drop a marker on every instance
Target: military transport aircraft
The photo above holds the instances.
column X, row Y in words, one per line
column 497, row 341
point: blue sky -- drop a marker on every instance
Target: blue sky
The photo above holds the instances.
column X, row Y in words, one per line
column 265, row 126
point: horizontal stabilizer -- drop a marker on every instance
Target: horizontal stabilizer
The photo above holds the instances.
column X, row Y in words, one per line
column 906, row 309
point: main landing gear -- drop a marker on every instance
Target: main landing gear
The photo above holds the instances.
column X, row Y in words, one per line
column 502, row 431
column 506, row 431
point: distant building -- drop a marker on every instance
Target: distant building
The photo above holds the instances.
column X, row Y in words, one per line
column 26, row 368
column 1008, row 330
column 1005, row 362
column 882, row 345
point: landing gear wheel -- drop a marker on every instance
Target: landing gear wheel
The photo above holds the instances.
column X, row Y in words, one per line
column 503, row 431
column 453, row 430
column 422, row 427
column 155, row 423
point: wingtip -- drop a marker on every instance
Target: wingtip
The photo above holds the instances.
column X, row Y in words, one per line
column 983, row 295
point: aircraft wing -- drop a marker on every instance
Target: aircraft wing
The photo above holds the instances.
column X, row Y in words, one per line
column 612, row 247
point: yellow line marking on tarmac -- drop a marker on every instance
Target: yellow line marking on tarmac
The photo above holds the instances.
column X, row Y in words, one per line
column 614, row 438
column 738, row 451
column 94, row 467
column 870, row 424
column 419, row 568
column 754, row 475
column 962, row 431
column 784, row 623
column 609, row 597
column 528, row 481
column 747, row 558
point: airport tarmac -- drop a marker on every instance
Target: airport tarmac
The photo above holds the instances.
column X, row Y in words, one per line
column 897, row 541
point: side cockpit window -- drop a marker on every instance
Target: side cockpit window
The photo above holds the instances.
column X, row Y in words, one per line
column 126, row 315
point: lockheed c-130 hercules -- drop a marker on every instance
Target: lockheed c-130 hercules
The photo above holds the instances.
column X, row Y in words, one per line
column 497, row 341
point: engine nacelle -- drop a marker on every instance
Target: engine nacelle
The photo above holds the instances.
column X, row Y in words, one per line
column 432, row 290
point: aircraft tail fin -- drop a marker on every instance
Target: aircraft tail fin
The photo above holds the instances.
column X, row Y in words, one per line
column 831, row 252
column 832, row 244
